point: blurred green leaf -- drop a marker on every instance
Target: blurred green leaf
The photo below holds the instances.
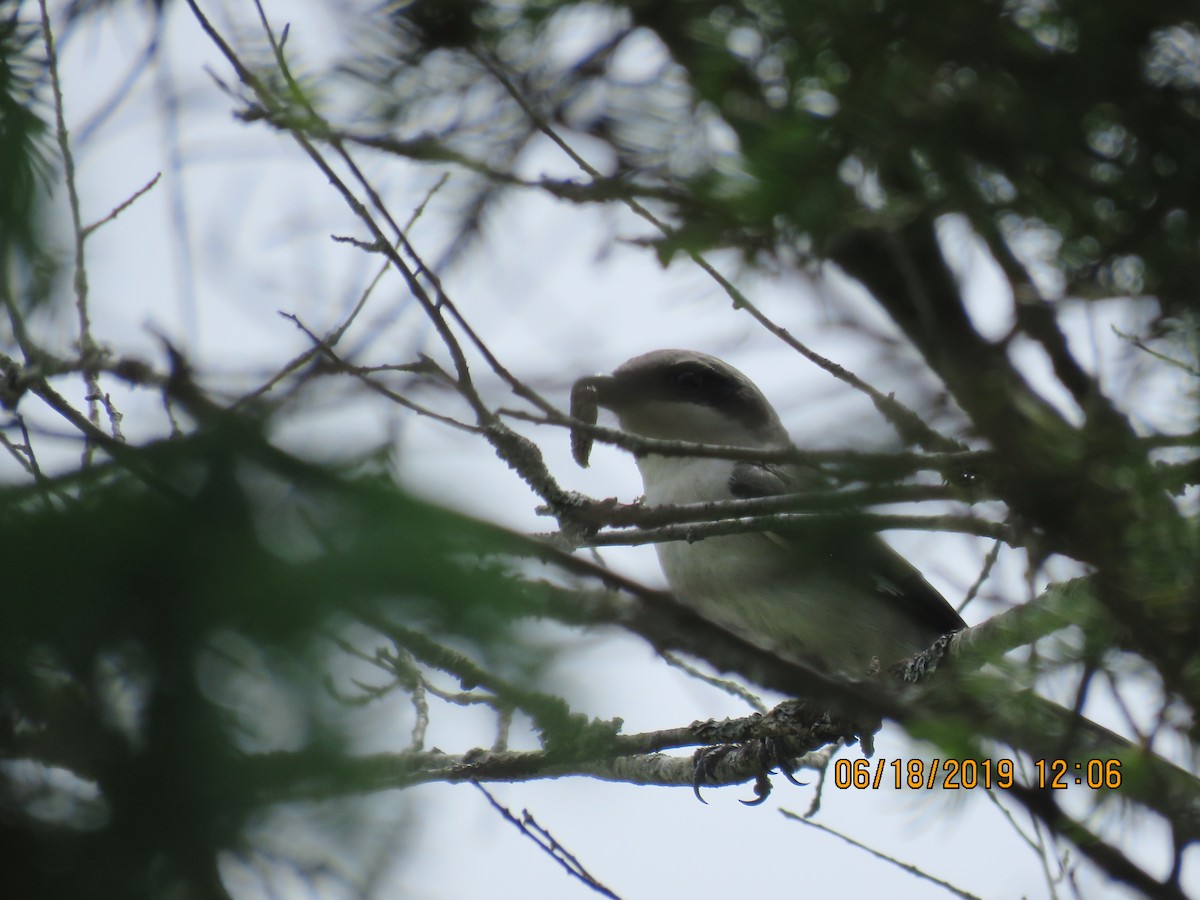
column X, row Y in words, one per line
column 24, row 150
column 144, row 587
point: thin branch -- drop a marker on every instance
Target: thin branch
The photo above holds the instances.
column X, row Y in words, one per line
column 600, row 189
column 343, row 366
column 988, row 562
column 1036, row 843
column 26, row 457
column 122, row 91
column 400, row 238
column 607, row 513
column 785, row 522
column 114, row 415
column 550, row 715
column 128, row 457
column 87, row 346
column 528, row 827
column 1141, row 345
column 22, row 453
column 1038, row 319
column 818, row 761
column 631, row 759
column 911, row 428
column 733, row 688
column 520, row 453
column 167, row 97
column 1104, row 855
column 120, row 208
column 892, row 464
column 417, row 696
column 29, row 350
column 906, row 867
column 331, row 339
column 504, row 720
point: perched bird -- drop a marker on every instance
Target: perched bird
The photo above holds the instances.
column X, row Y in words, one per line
column 836, row 597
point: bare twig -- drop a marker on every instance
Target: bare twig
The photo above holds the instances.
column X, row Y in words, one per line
column 733, row 688
column 850, row 500
column 550, row 715
column 127, row 457
column 783, row 522
column 362, row 375
column 87, row 345
column 504, row 720
column 546, row 841
column 988, row 562
column 907, row 867
column 1145, row 348
column 520, row 453
column 114, row 415
column 18, row 452
column 1036, row 843
column 891, row 464
column 332, row 338
column 120, row 208
column 910, row 426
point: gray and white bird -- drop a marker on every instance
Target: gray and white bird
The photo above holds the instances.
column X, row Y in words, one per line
column 838, row 598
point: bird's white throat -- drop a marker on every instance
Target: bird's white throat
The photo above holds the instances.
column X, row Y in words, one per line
column 684, row 479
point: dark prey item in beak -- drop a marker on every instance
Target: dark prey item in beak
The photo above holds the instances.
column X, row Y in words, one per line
column 585, row 406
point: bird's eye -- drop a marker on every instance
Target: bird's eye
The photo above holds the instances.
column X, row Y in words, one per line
column 688, row 379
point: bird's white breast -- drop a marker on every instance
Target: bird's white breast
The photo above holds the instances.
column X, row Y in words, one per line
column 678, row 479
column 764, row 588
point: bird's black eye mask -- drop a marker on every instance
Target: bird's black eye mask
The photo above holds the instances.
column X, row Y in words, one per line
column 695, row 382
column 707, row 385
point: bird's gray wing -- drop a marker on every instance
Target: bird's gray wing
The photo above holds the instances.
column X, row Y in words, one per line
column 847, row 548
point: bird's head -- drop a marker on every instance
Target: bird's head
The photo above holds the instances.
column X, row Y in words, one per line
column 679, row 395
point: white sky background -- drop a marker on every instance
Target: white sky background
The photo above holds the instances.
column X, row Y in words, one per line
column 555, row 298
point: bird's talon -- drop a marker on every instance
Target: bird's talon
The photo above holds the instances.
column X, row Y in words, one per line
column 774, row 755
column 792, row 778
column 704, row 762
column 762, row 790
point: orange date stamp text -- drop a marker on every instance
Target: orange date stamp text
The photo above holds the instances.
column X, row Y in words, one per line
column 968, row 774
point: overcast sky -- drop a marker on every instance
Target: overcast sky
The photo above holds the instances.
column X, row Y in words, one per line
column 557, row 294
